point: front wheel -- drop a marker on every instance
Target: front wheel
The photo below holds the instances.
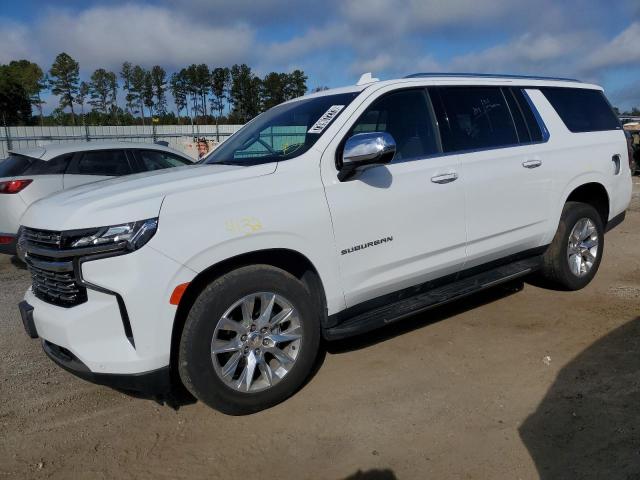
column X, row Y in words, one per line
column 250, row 340
column 574, row 256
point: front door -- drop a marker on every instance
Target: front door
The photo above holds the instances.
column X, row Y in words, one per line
column 401, row 224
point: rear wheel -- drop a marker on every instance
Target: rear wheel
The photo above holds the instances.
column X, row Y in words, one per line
column 574, row 255
column 250, row 340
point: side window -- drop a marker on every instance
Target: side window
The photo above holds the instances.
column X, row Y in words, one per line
column 108, row 163
column 478, row 117
column 55, row 166
column 525, row 107
column 408, row 117
column 582, row 110
column 524, row 136
column 158, row 160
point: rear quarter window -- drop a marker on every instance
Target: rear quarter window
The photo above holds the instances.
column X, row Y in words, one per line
column 582, row 110
column 15, row 165
column 55, row 166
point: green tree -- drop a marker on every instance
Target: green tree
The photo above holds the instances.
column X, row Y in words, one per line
column 32, row 79
column 220, row 78
column 81, row 97
column 64, row 77
column 112, row 83
column 198, row 80
column 245, row 93
column 273, row 89
column 296, row 85
column 15, row 105
column 126, row 73
column 99, row 90
column 179, row 91
column 147, row 93
column 138, row 77
column 159, row 84
column 203, row 80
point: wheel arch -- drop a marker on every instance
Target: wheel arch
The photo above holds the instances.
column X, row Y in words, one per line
column 594, row 194
column 288, row 260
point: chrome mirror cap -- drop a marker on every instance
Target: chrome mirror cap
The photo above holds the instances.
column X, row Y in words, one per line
column 368, row 149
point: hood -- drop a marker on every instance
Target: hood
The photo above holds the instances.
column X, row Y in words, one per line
column 130, row 198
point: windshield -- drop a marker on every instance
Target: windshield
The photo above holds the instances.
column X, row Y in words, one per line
column 286, row 131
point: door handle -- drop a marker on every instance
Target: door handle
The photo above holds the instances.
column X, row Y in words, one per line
column 532, row 163
column 445, row 178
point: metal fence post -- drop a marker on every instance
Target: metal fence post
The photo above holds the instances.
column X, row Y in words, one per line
column 8, row 136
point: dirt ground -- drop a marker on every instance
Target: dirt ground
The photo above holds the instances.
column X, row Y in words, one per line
column 503, row 385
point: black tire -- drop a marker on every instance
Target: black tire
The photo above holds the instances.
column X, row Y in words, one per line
column 555, row 269
column 195, row 357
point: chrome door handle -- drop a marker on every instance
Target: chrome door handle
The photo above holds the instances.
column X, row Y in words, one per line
column 532, row 163
column 446, row 178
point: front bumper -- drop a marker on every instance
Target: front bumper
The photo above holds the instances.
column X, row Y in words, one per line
column 155, row 382
column 125, row 325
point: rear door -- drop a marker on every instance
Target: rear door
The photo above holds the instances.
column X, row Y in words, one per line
column 506, row 179
column 96, row 165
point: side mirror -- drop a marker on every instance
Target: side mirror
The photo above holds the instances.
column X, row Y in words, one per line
column 364, row 150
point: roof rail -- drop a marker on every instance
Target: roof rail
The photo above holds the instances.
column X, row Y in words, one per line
column 491, row 75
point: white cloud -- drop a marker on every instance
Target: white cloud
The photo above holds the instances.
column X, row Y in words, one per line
column 107, row 36
column 529, row 53
column 313, row 40
column 15, row 40
column 624, row 49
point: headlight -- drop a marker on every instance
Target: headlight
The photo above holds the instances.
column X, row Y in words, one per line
column 130, row 236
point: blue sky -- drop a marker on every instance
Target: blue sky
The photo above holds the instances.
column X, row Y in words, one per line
column 334, row 41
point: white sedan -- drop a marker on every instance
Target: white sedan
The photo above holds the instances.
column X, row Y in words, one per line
column 29, row 175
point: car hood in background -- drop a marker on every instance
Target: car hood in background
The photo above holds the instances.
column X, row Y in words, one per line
column 129, row 198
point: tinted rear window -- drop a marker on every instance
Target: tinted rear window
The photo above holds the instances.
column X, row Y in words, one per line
column 14, row 165
column 108, row 163
column 477, row 117
column 582, row 110
column 55, row 166
column 527, row 111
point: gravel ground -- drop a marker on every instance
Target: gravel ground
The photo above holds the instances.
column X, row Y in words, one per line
column 503, row 385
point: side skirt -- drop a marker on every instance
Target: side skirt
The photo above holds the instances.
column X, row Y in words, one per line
column 385, row 310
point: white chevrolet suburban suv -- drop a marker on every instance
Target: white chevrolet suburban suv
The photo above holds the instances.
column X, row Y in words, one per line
column 325, row 217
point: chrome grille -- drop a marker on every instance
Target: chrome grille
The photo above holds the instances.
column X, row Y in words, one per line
column 53, row 278
column 43, row 238
column 58, row 288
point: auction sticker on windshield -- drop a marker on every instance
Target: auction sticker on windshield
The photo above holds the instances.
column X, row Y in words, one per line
column 325, row 119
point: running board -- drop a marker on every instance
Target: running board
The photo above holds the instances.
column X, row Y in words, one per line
column 386, row 314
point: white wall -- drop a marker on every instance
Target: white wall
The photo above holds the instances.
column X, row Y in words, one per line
column 178, row 136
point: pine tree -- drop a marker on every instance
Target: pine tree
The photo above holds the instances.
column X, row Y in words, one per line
column 159, row 84
column 64, row 77
column 138, row 76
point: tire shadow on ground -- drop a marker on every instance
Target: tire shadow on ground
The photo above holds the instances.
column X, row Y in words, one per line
column 587, row 425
